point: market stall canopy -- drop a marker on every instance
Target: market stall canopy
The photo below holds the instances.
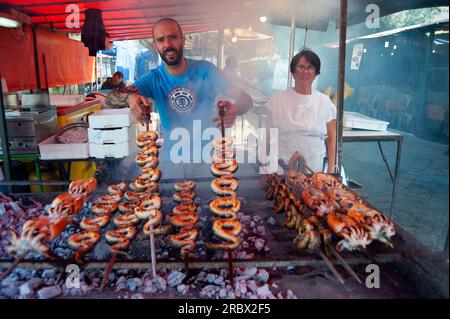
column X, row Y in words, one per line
column 133, row 19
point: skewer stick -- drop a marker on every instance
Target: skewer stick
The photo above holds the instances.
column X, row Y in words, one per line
column 229, row 252
column 152, row 236
column 108, row 271
column 14, row 265
column 230, row 267
column 390, row 244
column 344, row 263
column 222, row 127
column 386, row 271
column 331, row 267
column 186, row 264
column 152, row 251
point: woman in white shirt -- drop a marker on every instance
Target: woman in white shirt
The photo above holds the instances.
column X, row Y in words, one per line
column 305, row 118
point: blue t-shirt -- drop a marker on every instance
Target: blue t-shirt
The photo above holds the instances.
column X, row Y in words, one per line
column 184, row 98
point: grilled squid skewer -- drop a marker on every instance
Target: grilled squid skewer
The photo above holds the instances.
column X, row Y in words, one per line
column 227, row 230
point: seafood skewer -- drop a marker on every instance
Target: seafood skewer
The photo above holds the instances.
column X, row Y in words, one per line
column 226, row 208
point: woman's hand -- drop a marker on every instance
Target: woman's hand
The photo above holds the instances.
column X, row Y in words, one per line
column 231, row 113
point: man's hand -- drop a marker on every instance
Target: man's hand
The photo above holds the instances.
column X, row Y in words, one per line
column 138, row 105
column 296, row 158
column 231, row 113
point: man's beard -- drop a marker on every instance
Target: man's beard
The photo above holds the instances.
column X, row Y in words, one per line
column 179, row 56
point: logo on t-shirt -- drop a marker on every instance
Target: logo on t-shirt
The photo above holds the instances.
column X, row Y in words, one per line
column 182, row 100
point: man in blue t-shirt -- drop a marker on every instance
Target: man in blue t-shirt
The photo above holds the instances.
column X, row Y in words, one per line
column 185, row 91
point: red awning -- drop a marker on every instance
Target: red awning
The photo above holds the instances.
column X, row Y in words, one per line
column 133, row 19
column 66, row 61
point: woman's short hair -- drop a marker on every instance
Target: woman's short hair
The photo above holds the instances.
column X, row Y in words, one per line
column 309, row 56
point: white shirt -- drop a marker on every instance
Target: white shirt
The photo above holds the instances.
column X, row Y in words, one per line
column 302, row 125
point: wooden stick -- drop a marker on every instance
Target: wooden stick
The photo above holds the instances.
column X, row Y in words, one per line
column 152, row 251
column 108, row 271
column 344, row 263
column 14, row 265
column 230, row 267
column 331, row 267
column 186, row 264
column 388, row 273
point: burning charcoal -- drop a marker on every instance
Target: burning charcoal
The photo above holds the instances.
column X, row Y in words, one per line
column 257, row 218
column 48, row 273
column 175, row 278
column 219, row 281
column 121, row 283
column 160, row 283
column 134, row 283
column 11, row 280
column 34, row 283
column 26, row 291
column 259, row 244
column 223, row 293
column 49, row 292
column 137, row 296
column 290, row 295
column 182, row 289
column 271, row 221
column 10, row 291
column 208, row 291
column 251, row 284
column 22, row 273
column 201, row 276
column 246, row 219
column 149, row 288
column 249, row 272
column 223, row 273
column 262, row 275
column 261, row 230
column 264, row 292
column 240, row 288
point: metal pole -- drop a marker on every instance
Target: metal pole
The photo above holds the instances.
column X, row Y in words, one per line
column 101, row 67
column 220, row 48
column 291, row 49
column 36, row 57
column 4, row 138
column 341, row 83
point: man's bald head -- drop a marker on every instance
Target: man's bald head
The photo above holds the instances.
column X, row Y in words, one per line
column 164, row 21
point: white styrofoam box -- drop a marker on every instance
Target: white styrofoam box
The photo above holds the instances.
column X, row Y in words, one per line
column 51, row 149
column 118, row 135
column 61, row 99
column 119, row 150
column 110, row 118
column 361, row 121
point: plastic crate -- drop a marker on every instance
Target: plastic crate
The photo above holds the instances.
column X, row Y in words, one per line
column 51, row 149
